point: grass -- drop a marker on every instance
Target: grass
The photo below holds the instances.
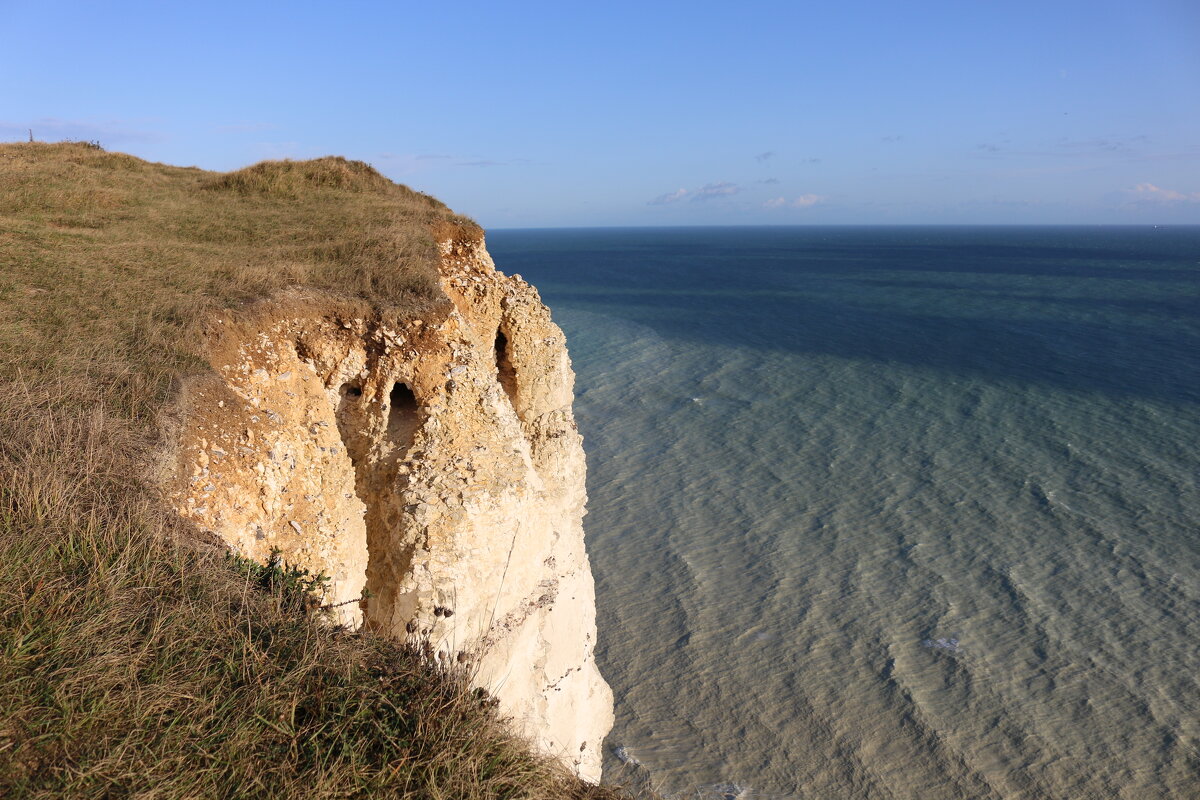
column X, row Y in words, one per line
column 136, row 660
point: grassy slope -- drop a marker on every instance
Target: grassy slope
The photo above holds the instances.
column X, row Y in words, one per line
column 134, row 661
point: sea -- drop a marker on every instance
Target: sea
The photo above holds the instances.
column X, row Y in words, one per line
column 890, row 512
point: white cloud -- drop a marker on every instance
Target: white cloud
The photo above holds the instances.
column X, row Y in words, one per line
column 803, row 201
column 669, row 197
column 1148, row 192
column 718, row 189
column 706, row 192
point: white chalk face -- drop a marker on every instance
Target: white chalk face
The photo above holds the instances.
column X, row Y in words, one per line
column 431, row 468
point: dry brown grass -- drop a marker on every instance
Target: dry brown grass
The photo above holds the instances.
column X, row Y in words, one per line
column 134, row 661
column 108, row 249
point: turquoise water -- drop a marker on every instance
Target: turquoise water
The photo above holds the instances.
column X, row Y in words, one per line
column 890, row 513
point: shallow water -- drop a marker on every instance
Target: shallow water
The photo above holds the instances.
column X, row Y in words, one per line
column 890, row 513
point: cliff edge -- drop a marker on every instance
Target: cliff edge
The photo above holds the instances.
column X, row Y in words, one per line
column 427, row 461
column 320, row 366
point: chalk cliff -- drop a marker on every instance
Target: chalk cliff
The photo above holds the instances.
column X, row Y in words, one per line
column 425, row 460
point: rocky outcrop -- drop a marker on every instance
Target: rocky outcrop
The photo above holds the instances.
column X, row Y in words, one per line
column 428, row 463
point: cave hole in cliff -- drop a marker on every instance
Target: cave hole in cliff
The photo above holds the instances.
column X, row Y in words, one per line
column 351, row 422
column 505, row 370
column 403, row 416
column 378, row 427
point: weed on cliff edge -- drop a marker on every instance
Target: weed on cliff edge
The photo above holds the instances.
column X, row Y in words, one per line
column 135, row 659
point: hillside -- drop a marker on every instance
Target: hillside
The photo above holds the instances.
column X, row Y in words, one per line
column 138, row 658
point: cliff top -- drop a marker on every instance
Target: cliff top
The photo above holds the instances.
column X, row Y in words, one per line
column 138, row 662
column 118, row 256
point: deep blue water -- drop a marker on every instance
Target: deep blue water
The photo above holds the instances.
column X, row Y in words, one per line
column 890, row 512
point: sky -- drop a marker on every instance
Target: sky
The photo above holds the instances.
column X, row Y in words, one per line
column 550, row 114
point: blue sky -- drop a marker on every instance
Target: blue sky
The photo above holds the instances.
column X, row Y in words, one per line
column 528, row 114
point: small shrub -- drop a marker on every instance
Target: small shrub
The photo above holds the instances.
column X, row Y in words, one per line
column 293, row 587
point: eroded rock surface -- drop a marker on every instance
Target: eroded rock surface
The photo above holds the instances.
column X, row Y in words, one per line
column 430, row 459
